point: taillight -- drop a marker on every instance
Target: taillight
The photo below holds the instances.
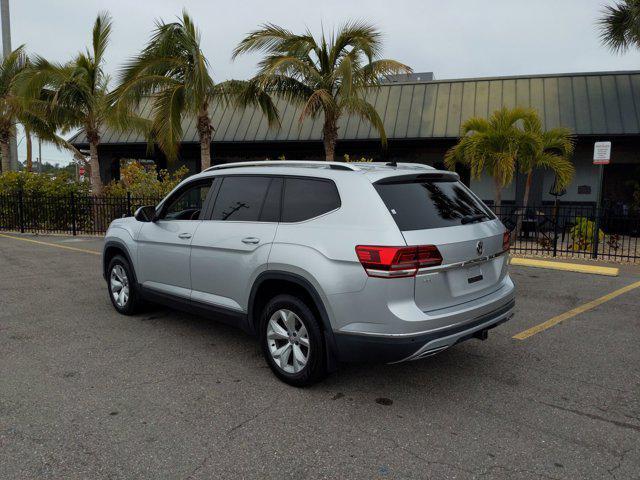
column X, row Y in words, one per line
column 506, row 241
column 397, row 262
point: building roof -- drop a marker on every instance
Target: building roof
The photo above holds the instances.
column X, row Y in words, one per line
column 602, row 103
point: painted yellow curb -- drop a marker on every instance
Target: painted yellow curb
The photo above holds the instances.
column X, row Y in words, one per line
column 567, row 267
column 576, row 311
column 48, row 244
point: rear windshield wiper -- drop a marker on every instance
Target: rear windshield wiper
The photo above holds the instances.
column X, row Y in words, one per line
column 473, row 218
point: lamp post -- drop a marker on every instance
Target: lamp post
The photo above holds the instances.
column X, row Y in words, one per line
column 6, row 50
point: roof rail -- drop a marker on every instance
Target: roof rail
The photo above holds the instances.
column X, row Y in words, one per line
column 282, row 163
column 365, row 165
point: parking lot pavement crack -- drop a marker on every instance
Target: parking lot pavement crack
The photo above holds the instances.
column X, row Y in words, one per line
column 426, row 460
column 593, row 416
column 434, row 462
column 612, row 470
column 199, row 467
column 250, row 419
column 510, row 470
column 206, row 459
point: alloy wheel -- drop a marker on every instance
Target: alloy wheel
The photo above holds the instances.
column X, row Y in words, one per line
column 119, row 284
column 288, row 341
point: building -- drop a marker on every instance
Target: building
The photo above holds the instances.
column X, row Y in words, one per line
column 422, row 119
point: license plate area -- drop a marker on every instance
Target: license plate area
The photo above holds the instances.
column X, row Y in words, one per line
column 474, row 275
column 474, row 279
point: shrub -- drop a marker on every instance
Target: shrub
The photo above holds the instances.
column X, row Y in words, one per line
column 582, row 234
column 545, row 244
column 33, row 184
column 143, row 181
column 347, row 158
column 614, row 242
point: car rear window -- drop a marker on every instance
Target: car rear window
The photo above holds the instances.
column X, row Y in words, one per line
column 306, row 198
column 425, row 204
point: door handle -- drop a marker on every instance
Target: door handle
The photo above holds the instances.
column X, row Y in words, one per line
column 251, row 240
column 184, row 235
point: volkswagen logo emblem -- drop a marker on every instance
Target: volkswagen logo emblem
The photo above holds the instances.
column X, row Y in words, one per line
column 479, row 247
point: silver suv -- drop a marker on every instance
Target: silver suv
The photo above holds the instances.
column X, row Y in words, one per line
column 325, row 262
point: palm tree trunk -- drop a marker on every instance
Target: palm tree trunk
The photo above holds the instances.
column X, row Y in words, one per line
column 330, row 137
column 204, row 131
column 29, row 163
column 94, row 163
column 497, row 202
column 525, row 201
column 6, row 156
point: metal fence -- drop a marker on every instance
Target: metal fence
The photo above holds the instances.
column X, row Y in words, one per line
column 563, row 230
column 70, row 214
column 573, row 231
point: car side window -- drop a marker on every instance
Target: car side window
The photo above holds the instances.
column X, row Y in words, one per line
column 242, row 198
column 306, row 198
column 271, row 208
column 187, row 205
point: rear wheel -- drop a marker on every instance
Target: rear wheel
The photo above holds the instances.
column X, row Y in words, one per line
column 292, row 341
column 122, row 286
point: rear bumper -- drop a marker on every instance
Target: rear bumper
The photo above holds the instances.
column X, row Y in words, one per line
column 393, row 349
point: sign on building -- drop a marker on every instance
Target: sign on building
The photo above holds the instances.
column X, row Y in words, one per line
column 602, row 153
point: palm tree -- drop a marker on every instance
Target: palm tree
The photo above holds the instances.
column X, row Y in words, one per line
column 553, row 152
column 620, row 25
column 10, row 105
column 74, row 95
column 173, row 70
column 325, row 75
column 34, row 122
column 494, row 146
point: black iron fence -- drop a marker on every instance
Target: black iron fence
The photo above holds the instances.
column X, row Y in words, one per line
column 573, row 231
column 70, row 214
column 563, row 230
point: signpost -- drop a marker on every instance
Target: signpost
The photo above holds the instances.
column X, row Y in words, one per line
column 81, row 173
column 601, row 157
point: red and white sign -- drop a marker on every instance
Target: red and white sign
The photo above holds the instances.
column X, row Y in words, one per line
column 602, row 153
column 81, row 171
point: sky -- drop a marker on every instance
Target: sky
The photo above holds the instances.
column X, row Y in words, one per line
column 455, row 39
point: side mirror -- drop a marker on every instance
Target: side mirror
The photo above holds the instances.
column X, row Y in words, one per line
column 146, row 214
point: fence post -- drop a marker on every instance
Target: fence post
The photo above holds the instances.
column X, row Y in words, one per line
column 21, row 210
column 73, row 214
column 555, row 228
column 596, row 237
column 129, row 204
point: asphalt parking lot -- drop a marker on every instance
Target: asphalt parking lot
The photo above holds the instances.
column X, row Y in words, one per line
column 86, row 393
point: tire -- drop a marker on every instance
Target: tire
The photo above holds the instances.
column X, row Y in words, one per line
column 120, row 272
column 299, row 334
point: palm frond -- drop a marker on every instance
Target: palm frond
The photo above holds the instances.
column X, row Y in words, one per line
column 101, row 34
column 357, row 35
column 561, row 166
column 620, row 25
column 270, row 38
column 245, row 94
column 168, row 108
column 319, row 100
column 379, row 69
column 366, row 111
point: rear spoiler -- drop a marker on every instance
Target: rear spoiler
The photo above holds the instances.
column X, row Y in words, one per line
column 420, row 177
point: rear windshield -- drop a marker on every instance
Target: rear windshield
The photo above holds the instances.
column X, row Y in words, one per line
column 420, row 205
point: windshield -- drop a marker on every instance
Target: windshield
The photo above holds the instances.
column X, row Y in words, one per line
column 425, row 204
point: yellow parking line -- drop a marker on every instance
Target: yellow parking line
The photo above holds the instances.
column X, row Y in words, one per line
column 83, row 250
column 576, row 311
column 567, row 267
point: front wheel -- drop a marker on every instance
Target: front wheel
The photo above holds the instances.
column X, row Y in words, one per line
column 122, row 287
column 292, row 341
